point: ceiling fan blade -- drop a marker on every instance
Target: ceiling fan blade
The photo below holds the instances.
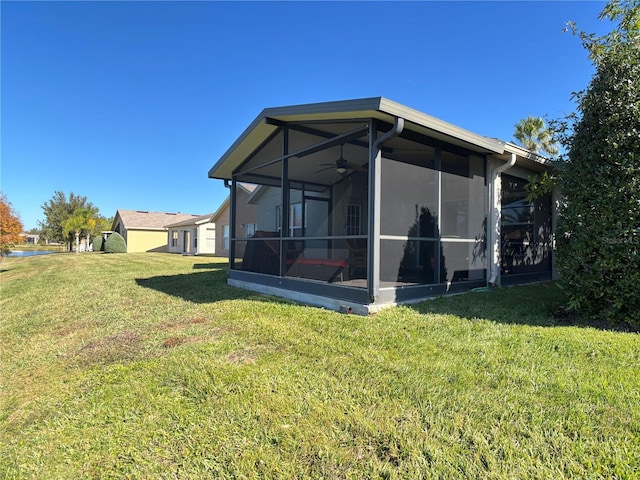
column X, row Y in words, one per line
column 325, row 169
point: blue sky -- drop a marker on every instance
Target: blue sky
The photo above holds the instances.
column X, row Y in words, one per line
column 131, row 103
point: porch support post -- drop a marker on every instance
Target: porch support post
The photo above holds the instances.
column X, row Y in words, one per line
column 375, row 187
column 373, row 257
column 232, row 223
column 495, row 213
column 284, row 211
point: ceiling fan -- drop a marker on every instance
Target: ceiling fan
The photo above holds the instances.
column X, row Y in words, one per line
column 341, row 165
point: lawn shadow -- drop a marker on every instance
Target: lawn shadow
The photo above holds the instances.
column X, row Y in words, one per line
column 201, row 287
column 205, row 266
column 533, row 305
column 198, row 287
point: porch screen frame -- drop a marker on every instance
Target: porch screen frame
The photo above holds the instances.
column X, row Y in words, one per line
column 249, row 173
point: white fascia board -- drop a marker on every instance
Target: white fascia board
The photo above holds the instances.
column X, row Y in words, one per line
column 523, row 152
column 529, row 159
column 440, row 126
column 220, row 209
column 258, row 131
column 147, row 229
column 246, row 143
column 375, row 107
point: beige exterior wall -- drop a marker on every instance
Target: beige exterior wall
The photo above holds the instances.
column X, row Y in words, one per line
column 245, row 214
column 202, row 239
column 207, row 238
column 221, row 220
column 146, row 241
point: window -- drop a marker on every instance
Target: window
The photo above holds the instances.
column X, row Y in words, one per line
column 251, row 229
column 353, row 219
column 195, row 238
column 225, row 237
column 526, row 229
column 174, row 238
column 295, row 219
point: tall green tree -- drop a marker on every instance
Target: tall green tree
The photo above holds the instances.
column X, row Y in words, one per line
column 534, row 135
column 598, row 235
column 56, row 211
column 101, row 225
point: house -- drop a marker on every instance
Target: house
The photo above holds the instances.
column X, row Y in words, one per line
column 145, row 231
column 30, row 238
column 195, row 236
column 366, row 203
column 245, row 221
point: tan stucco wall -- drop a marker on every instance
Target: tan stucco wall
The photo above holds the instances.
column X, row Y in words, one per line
column 221, row 221
column 245, row 213
column 146, row 241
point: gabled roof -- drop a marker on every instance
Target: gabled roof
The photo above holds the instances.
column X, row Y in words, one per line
column 144, row 220
column 221, row 208
column 192, row 221
column 247, row 187
column 377, row 107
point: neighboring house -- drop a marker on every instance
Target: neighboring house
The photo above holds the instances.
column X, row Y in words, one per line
column 366, row 203
column 195, row 236
column 245, row 221
column 30, row 238
column 145, row 231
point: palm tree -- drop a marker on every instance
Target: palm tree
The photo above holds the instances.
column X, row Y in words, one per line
column 83, row 219
column 74, row 224
column 534, row 135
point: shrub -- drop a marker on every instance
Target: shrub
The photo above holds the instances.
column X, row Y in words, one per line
column 115, row 244
column 98, row 244
column 599, row 226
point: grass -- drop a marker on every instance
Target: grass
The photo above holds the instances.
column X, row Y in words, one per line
column 150, row 366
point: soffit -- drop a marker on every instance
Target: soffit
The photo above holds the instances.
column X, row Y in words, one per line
column 379, row 108
column 526, row 159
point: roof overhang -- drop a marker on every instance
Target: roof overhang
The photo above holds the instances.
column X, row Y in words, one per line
column 377, row 107
column 147, row 229
column 190, row 223
column 526, row 158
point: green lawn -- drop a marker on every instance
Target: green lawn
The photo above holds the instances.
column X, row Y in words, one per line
column 150, row 366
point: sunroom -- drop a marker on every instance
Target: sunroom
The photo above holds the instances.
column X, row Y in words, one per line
column 367, row 203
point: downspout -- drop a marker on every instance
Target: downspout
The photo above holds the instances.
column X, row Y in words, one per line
column 230, row 186
column 397, row 129
column 375, row 183
column 493, row 240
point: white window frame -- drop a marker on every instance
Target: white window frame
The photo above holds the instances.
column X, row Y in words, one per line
column 225, row 237
column 292, row 213
column 353, row 223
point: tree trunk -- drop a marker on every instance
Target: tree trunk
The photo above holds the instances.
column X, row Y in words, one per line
column 77, row 241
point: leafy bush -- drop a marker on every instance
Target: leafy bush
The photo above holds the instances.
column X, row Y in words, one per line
column 599, row 226
column 98, row 244
column 115, row 244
